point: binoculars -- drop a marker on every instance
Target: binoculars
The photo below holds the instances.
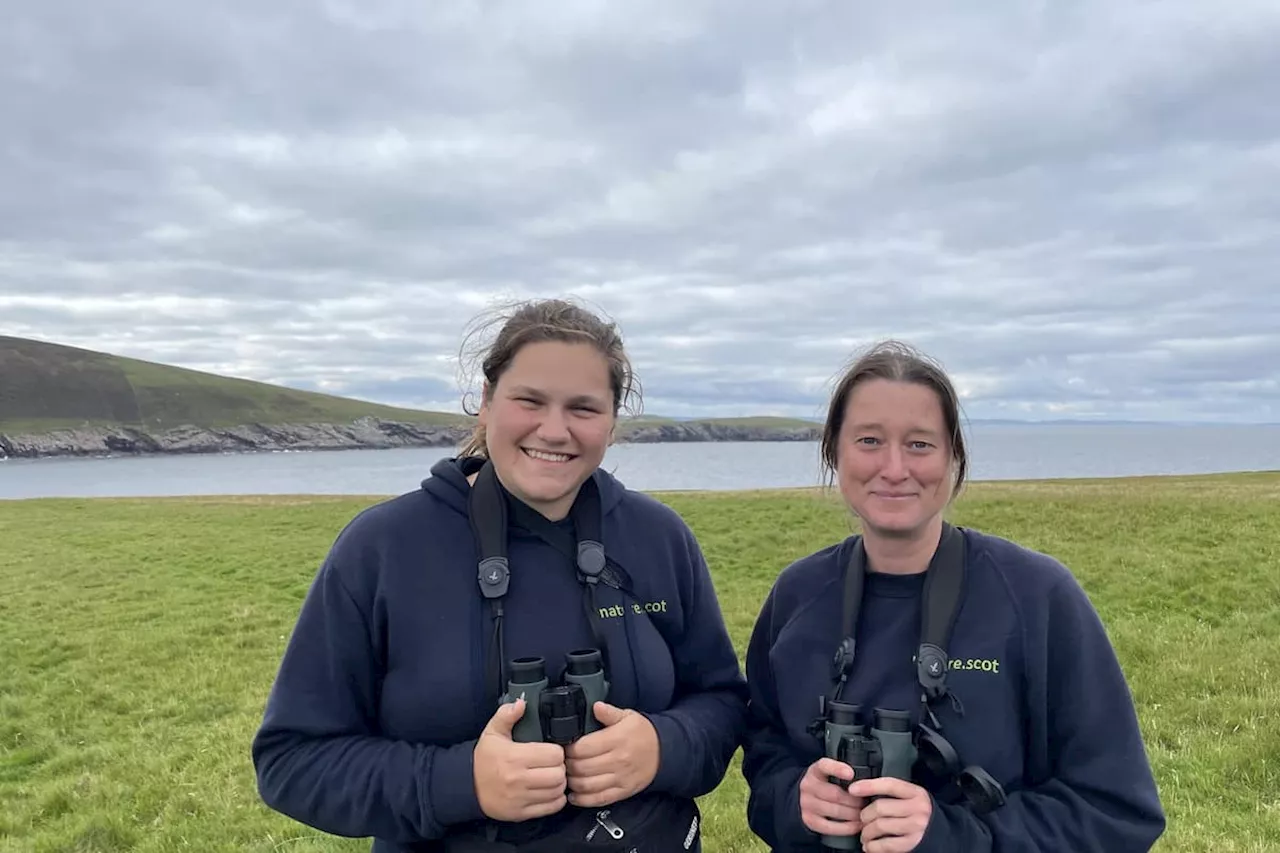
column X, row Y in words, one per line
column 886, row 747
column 561, row 713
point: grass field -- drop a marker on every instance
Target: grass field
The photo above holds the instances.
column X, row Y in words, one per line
column 138, row 639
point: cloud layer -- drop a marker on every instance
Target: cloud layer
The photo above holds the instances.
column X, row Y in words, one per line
column 1073, row 206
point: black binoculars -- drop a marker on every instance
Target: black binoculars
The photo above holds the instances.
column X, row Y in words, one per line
column 885, row 747
column 561, row 713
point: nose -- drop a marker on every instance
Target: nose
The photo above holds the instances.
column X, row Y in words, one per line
column 554, row 426
column 895, row 464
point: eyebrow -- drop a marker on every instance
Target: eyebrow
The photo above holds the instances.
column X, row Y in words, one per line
column 525, row 390
column 863, row 425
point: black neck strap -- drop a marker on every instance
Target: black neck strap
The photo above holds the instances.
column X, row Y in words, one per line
column 493, row 511
column 943, row 589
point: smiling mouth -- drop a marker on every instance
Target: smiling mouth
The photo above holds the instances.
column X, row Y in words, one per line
column 547, row 456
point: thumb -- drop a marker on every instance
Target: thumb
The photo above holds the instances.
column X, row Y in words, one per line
column 607, row 714
column 825, row 767
column 505, row 718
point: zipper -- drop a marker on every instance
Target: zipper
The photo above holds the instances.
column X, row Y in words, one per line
column 602, row 818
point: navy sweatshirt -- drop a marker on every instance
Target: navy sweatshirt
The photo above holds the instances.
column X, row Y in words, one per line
column 370, row 725
column 1045, row 706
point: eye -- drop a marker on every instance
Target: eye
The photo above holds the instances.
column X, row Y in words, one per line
column 866, row 439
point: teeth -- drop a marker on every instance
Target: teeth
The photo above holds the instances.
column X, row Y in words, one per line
column 548, row 457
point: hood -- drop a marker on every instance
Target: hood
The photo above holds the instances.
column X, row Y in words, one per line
column 448, row 483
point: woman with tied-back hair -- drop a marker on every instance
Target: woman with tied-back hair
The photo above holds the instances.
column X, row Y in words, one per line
column 388, row 716
column 1011, row 730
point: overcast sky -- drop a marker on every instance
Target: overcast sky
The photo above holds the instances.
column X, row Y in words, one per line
column 1075, row 206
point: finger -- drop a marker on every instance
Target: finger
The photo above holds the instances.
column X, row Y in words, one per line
column 599, row 742
column 607, row 715
column 537, row 755
column 594, row 784
column 824, row 826
column 885, row 786
column 575, row 770
column 542, row 808
column 833, row 811
column 592, row 766
column 505, row 718
column 828, row 793
column 891, row 827
column 544, row 779
column 607, row 797
column 825, row 767
column 890, row 807
column 893, row 843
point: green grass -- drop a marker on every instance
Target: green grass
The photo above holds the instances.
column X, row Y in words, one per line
column 138, row 639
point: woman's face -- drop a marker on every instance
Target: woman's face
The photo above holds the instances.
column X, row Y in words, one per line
column 548, row 422
column 894, row 462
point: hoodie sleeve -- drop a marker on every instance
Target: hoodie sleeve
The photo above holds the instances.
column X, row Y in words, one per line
column 318, row 755
column 1100, row 794
column 699, row 734
column 769, row 765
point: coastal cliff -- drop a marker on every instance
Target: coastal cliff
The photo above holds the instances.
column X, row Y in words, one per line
column 362, row 434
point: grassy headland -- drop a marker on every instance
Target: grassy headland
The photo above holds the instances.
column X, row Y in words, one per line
column 138, row 639
column 46, row 387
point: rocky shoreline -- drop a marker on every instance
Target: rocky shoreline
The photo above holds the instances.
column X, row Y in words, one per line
column 364, row 434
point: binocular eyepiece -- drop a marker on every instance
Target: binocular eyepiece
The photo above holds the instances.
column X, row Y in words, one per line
column 558, row 713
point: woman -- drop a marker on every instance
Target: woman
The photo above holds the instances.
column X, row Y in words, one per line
column 1023, row 739
column 405, row 707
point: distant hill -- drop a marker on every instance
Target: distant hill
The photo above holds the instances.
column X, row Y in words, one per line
column 58, row 400
column 46, row 386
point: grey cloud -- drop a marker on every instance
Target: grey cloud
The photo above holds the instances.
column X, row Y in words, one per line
column 1066, row 204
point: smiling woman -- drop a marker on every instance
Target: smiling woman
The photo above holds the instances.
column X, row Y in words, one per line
column 554, row 381
column 974, row 701
column 523, row 654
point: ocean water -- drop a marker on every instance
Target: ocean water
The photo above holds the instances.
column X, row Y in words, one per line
column 996, row 452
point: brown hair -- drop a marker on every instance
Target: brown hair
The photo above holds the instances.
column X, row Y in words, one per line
column 541, row 320
column 898, row 362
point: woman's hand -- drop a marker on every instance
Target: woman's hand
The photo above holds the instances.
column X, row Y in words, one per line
column 614, row 762
column 517, row 781
column 895, row 821
column 825, row 807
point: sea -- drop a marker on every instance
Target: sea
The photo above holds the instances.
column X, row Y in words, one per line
column 997, row 451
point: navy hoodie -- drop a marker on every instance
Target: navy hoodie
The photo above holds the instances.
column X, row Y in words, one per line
column 382, row 691
column 1044, row 706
